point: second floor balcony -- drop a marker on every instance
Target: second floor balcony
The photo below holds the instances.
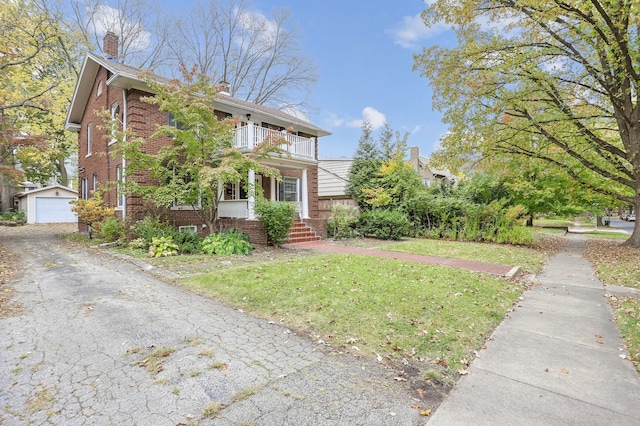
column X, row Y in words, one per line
column 250, row 135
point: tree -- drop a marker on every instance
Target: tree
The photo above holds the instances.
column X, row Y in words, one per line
column 552, row 80
column 35, row 89
column 256, row 55
column 364, row 168
column 189, row 170
column 91, row 211
column 141, row 26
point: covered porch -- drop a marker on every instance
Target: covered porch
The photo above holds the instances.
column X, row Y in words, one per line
column 235, row 202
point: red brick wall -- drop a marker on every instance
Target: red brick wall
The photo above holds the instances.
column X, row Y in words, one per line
column 142, row 119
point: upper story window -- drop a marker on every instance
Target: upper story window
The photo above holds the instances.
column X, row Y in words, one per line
column 115, row 115
column 95, row 182
column 89, row 139
column 99, row 90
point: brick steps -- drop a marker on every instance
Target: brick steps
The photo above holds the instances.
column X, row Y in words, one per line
column 301, row 233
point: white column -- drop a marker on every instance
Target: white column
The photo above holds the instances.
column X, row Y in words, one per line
column 273, row 189
column 250, row 134
column 251, row 215
column 305, row 195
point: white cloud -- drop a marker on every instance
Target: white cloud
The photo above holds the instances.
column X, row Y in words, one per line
column 413, row 30
column 258, row 25
column 373, row 116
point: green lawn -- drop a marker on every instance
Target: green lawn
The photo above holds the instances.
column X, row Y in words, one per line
column 531, row 259
column 372, row 306
column 620, row 265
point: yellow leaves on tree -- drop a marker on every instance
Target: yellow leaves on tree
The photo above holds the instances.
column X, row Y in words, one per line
column 92, row 210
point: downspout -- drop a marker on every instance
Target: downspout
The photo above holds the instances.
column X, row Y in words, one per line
column 124, row 161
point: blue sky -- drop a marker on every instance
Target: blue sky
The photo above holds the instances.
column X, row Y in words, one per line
column 364, row 54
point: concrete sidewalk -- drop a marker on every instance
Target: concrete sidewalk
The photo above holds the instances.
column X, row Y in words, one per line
column 490, row 268
column 556, row 360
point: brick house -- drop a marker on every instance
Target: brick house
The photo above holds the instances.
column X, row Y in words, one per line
column 106, row 85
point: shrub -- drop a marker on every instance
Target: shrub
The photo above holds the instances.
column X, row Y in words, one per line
column 225, row 243
column 139, row 243
column 278, row 218
column 12, row 216
column 384, row 224
column 343, row 220
column 111, row 229
column 188, row 242
column 91, row 211
column 152, row 226
column 162, row 246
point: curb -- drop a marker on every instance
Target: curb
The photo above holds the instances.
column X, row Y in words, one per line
column 514, row 272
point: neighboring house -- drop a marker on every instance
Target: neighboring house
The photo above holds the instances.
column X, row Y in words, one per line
column 430, row 176
column 47, row 205
column 333, row 176
column 106, row 85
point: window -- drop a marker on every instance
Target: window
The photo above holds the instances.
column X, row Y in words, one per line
column 84, row 188
column 171, row 121
column 288, row 190
column 119, row 191
column 189, row 228
column 115, row 115
column 426, row 182
column 99, row 91
column 95, row 182
column 89, row 137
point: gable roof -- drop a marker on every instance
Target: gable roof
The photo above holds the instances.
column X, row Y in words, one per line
column 127, row 77
column 333, row 176
column 47, row 188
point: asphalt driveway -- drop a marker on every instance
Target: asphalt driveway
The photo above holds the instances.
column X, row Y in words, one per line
column 98, row 341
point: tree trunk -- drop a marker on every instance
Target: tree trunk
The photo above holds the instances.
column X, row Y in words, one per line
column 64, row 177
column 634, row 239
column 6, row 194
column 530, row 221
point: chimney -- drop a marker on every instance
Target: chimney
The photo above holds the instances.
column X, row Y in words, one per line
column 414, row 157
column 224, row 88
column 110, row 45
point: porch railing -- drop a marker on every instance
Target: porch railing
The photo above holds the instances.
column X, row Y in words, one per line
column 233, row 208
column 247, row 137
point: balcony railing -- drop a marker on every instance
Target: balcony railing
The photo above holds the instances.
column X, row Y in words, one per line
column 247, row 137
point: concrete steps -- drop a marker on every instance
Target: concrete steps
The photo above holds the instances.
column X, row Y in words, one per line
column 301, row 233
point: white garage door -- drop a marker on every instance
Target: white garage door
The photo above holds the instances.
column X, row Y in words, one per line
column 54, row 210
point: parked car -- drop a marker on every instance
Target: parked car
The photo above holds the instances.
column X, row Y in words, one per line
column 624, row 216
column 631, row 218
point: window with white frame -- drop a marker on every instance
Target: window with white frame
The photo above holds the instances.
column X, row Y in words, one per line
column 84, row 188
column 288, row 189
column 115, row 116
column 89, row 139
column 94, row 184
column 119, row 189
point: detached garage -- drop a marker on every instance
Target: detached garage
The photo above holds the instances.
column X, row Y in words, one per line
column 48, row 205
